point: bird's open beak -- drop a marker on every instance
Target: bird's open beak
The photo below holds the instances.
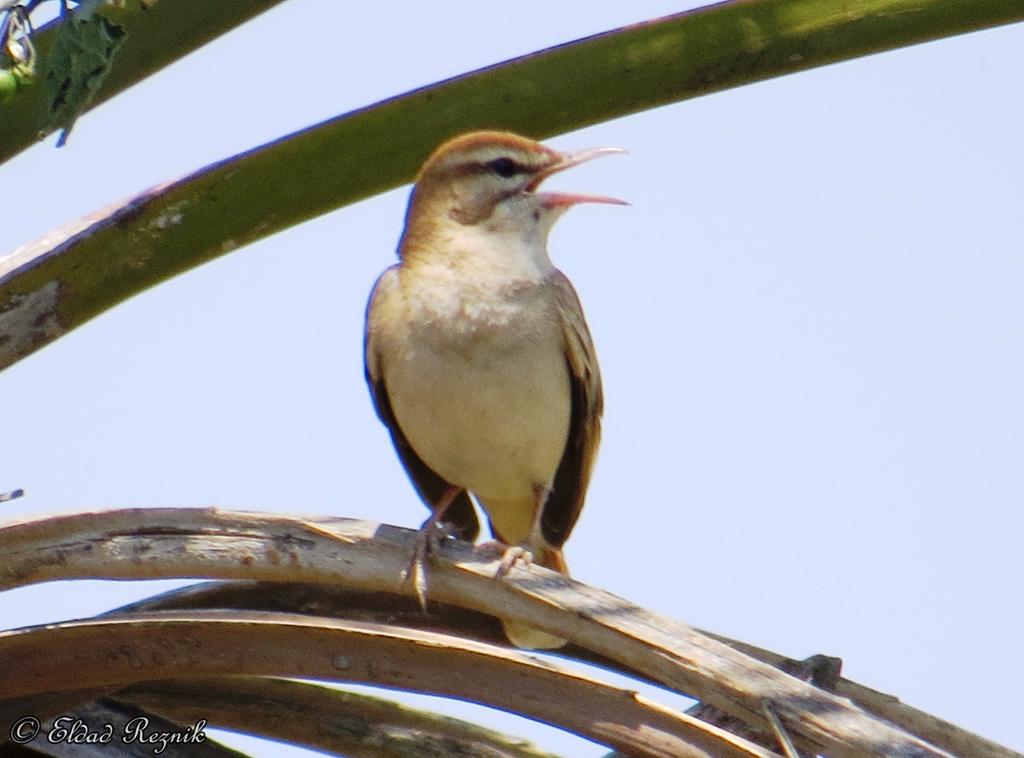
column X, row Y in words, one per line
column 568, row 160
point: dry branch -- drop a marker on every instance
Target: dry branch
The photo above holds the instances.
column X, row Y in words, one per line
column 393, row 608
column 322, row 718
column 115, row 652
column 161, row 543
column 937, row 731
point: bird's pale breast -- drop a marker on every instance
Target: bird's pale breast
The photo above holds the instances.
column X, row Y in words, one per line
column 484, row 399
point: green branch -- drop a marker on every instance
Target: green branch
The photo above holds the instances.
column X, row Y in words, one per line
column 58, row 283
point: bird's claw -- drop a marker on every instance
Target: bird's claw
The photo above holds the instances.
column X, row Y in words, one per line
column 510, row 556
column 428, row 541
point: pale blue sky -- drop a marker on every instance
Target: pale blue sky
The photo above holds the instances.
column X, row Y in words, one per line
column 809, row 325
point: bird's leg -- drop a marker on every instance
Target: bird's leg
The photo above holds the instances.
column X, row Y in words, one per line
column 428, row 540
column 541, row 493
column 513, row 554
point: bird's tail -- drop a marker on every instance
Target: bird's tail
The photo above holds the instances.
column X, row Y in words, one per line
column 550, row 557
column 525, row 636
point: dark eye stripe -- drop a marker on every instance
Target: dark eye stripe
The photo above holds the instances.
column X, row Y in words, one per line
column 506, row 168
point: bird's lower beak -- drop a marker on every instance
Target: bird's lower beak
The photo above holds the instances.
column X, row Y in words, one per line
column 568, row 160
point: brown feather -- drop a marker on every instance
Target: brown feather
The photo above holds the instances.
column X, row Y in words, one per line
column 565, row 502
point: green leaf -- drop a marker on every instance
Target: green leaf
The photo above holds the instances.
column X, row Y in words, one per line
column 76, row 67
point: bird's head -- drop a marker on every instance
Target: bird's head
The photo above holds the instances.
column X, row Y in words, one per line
column 490, row 180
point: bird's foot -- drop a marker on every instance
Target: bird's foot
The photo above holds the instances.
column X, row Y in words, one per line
column 428, row 541
column 510, row 555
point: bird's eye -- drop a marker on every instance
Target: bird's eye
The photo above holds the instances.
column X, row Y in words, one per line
column 506, row 168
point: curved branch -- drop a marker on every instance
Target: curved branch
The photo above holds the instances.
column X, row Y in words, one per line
column 122, row 651
column 889, row 707
column 162, row 543
column 53, row 285
column 392, row 608
column 321, row 718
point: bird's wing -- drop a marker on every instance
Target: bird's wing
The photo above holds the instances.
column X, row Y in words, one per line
column 428, row 483
column 565, row 502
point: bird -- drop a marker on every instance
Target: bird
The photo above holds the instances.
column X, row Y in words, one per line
column 479, row 359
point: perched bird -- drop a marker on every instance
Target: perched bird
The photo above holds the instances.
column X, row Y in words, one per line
column 478, row 358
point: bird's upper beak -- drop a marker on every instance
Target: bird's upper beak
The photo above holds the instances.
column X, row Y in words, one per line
column 568, row 160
